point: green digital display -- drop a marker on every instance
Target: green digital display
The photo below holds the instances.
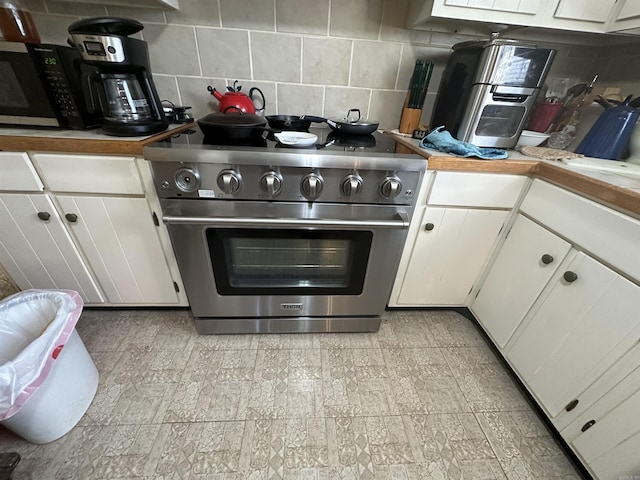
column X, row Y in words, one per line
column 50, row 61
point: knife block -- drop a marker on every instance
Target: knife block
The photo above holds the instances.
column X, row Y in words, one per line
column 410, row 119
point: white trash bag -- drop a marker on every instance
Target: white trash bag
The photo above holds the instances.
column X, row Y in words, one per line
column 34, row 327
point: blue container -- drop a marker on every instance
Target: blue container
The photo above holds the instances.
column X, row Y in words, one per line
column 609, row 136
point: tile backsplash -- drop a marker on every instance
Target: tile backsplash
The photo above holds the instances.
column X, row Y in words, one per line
column 315, row 57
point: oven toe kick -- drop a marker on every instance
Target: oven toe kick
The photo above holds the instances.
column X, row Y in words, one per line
column 215, row 325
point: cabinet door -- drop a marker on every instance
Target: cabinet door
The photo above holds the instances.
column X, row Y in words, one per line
column 38, row 252
column 607, row 436
column 582, row 327
column 597, row 11
column 521, row 6
column 450, row 250
column 628, row 17
column 611, row 446
column 17, row 173
column 529, row 257
column 120, row 241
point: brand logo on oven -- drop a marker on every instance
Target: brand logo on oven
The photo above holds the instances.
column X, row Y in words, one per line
column 291, row 306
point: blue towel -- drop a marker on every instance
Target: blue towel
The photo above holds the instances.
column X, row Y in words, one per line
column 439, row 139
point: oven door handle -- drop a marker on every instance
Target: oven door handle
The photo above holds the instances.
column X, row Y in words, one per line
column 401, row 222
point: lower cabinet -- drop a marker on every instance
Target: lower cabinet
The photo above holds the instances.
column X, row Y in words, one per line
column 586, row 321
column 607, row 436
column 89, row 226
column 450, row 250
column 527, row 260
column 454, row 231
column 119, row 239
column 36, row 249
column 561, row 301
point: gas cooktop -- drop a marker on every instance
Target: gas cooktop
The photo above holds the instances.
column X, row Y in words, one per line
column 328, row 142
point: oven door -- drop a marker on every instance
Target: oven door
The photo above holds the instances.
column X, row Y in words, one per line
column 255, row 260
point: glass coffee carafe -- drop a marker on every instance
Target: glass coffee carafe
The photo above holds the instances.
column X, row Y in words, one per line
column 125, row 99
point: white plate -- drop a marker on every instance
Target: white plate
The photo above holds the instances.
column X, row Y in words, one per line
column 302, row 139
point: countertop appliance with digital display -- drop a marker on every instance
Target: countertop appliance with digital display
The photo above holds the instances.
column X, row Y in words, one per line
column 40, row 86
column 123, row 87
column 488, row 89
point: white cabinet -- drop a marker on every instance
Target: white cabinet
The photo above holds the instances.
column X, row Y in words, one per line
column 527, row 260
column 627, row 18
column 595, row 16
column 162, row 4
column 37, row 251
column 607, row 436
column 585, row 11
column 570, row 327
column 522, row 12
column 457, row 231
column 584, row 324
column 91, row 230
column 119, row 239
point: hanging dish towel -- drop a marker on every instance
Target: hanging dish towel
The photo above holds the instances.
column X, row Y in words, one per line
column 439, row 139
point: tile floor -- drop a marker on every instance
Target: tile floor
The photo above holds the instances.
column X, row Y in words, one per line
column 424, row 398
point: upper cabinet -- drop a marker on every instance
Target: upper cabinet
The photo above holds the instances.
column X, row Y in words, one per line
column 163, row 4
column 592, row 16
column 627, row 18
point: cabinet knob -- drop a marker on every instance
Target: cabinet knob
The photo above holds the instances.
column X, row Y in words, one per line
column 429, row 226
column 588, row 425
column 571, row 405
column 546, row 259
column 44, row 215
column 71, row 217
column 570, row 276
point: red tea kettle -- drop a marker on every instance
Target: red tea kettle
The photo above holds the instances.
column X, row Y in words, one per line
column 236, row 101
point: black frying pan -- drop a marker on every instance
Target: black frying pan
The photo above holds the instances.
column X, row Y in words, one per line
column 234, row 126
column 350, row 125
column 297, row 123
column 353, row 126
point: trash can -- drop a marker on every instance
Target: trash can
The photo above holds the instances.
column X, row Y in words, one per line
column 47, row 377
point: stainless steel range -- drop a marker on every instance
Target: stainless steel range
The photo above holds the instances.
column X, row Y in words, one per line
column 272, row 239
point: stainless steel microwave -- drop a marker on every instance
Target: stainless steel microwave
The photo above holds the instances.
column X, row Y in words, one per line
column 40, row 85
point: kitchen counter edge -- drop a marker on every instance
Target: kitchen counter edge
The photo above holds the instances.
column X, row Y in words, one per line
column 616, row 197
column 98, row 144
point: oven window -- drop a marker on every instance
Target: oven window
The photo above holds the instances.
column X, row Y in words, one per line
column 280, row 262
column 500, row 121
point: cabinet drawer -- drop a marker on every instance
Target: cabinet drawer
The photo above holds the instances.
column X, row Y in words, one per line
column 604, row 232
column 17, row 173
column 476, row 189
column 89, row 173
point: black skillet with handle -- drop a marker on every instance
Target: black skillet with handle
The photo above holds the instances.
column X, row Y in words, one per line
column 352, row 124
column 234, row 127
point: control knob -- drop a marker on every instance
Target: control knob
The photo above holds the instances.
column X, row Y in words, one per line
column 187, row 180
column 271, row 183
column 351, row 185
column 390, row 187
column 311, row 186
column 229, row 181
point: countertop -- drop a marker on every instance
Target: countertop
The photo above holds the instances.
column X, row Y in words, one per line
column 615, row 184
column 80, row 141
column 619, row 189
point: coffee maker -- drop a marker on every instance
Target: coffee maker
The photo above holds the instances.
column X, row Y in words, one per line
column 488, row 89
column 122, row 88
